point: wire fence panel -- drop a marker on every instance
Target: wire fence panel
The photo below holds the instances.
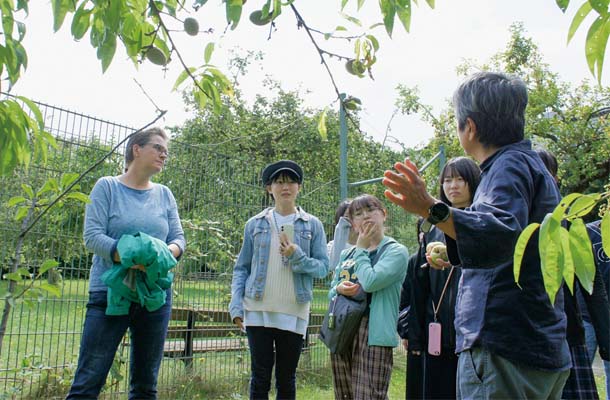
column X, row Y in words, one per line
column 216, row 194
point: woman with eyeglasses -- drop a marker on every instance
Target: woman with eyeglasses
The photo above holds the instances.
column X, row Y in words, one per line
column 373, row 270
column 283, row 250
column 124, row 211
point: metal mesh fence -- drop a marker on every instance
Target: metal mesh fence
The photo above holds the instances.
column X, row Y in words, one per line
column 216, row 194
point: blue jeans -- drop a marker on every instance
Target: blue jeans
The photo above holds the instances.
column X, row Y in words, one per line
column 591, row 341
column 269, row 345
column 101, row 337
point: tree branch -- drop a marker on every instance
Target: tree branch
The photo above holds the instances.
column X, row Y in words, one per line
column 82, row 175
column 301, row 23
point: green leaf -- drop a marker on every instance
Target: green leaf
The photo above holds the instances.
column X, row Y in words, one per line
column 21, row 213
column 560, row 211
column 604, row 228
column 18, row 275
column 21, row 28
column 388, row 11
column 67, row 179
column 373, row 41
column 351, row 19
column 582, row 253
column 566, row 260
column 549, row 256
column 520, row 247
column 53, row 290
column 47, row 265
column 82, row 197
column 13, row 276
column 601, row 6
column 183, row 75
column 580, row 15
column 233, row 12
column 209, row 49
column 60, row 9
column 595, row 45
column 583, row 205
column 343, row 3
column 28, row 190
column 106, row 51
column 322, row 124
column 404, row 15
column 13, row 201
column 431, row 3
column 562, row 4
column 81, row 22
column 49, row 186
column 360, row 3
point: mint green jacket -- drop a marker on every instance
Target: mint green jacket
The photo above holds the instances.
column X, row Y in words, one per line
column 384, row 281
column 127, row 285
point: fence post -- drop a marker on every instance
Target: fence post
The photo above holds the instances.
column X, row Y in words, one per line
column 342, row 149
column 442, row 158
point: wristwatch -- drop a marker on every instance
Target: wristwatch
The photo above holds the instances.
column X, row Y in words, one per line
column 438, row 212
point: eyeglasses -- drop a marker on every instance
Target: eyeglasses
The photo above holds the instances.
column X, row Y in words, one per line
column 160, row 149
column 360, row 213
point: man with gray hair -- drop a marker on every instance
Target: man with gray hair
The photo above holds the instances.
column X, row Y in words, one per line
column 511, row 340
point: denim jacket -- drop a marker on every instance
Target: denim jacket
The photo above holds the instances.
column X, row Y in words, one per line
column 310, row 260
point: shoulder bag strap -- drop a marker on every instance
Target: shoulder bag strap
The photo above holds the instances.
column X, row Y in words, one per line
column 380, row 251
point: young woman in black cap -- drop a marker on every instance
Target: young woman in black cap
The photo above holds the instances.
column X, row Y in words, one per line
column 284, row 248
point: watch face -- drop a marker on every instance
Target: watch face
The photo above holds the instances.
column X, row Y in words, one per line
column 439, row 212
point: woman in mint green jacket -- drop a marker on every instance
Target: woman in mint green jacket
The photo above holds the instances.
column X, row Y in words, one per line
column 366, row 372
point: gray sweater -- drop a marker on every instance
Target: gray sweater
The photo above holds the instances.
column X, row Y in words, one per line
column 115, row 210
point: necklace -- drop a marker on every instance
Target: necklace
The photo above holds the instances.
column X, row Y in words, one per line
column 277, row 229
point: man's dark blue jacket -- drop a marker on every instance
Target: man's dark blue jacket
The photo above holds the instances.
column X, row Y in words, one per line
column 492, row 312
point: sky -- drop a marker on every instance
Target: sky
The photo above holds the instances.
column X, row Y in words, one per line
column 66, row 73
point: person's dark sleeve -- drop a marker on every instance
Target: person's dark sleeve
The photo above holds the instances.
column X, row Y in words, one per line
column 405, row 293
column 500, row 211
column 599, row 310
column 420, row 289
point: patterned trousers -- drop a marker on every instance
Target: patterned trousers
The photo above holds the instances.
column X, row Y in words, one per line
column 365, row 373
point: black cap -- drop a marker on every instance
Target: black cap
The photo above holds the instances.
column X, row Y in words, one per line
column 275, row 168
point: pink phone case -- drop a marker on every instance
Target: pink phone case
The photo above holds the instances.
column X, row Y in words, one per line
column 434, row 338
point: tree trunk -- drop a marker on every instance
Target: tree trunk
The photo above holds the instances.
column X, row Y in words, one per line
column 13, row 284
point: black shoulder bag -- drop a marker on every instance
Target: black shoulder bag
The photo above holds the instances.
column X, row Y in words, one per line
column 343, row 316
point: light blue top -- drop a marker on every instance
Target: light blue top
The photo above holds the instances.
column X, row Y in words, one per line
column 384, row 281
column 115, row 210
column 307, row 262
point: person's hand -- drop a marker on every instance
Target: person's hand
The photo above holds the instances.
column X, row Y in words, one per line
column 439, row 264
column 347, row 288
column 240, row 323
column 368, row 231
column 175, row 249
column 286, row 246
column 405, row 344
column 139, row 267
column 407, row 189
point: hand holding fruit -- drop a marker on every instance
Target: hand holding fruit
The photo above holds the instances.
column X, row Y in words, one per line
column 436, row 255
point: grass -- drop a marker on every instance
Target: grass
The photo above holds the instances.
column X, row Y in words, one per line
column 41, row 347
